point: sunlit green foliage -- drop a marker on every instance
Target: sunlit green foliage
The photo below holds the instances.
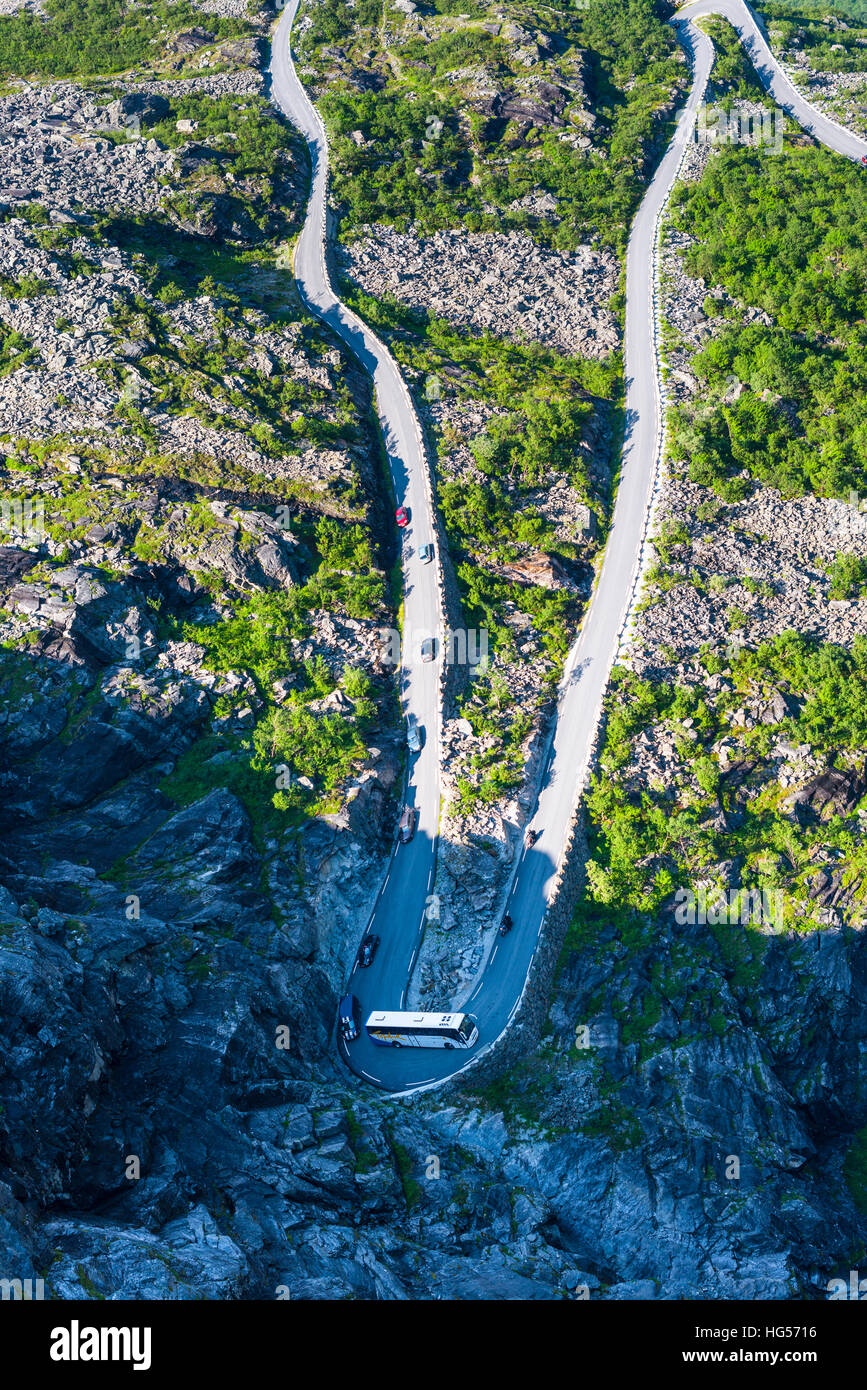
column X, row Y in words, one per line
column 647, row 843
column 427, row 157
column 96, row 36
column 785, row 234
column 809, row 25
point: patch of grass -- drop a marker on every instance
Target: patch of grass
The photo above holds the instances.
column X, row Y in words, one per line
column 96, row 36
column 848, row 576
column 855, row 1169
column 411, row 1188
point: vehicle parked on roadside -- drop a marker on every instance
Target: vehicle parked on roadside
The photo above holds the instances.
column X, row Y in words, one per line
column 413, row 734
column 406, row 824
column 367, row 950
column 349, row 1018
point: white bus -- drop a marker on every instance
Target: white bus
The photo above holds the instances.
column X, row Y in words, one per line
column 422, row 1030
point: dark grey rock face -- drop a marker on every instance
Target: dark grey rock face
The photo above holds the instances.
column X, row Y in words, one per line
column 147, row 107
column 168, row 976
column 173, row 1123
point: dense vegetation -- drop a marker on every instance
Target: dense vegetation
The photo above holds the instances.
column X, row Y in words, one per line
column 634, row 71
column 646, row 843
column 85, row 37
column 215, row 380
column 784, row 233
column 413, row 144
column 733, row 75
column 248, row 634
column 815, row 30
column 246, row 361
column 291, row 741
column 855, row 1169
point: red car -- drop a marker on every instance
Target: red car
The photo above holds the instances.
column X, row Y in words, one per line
column 401, row 516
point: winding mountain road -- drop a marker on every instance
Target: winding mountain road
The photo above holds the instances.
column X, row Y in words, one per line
column 398, row 916
column 400, row 909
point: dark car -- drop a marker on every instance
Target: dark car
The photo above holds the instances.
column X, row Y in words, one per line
column 349, row 1018
column 428, row 649
column 406, row 825
column 401, row 516
column 367, row 950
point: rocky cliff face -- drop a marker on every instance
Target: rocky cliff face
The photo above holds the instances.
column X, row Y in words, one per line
column 655, row 1154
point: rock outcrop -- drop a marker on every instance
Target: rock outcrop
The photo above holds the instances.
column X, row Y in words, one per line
column 506, row 285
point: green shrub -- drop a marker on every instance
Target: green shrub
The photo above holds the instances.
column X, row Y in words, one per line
column 848, row 576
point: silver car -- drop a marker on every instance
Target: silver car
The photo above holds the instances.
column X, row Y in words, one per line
column 413, row 734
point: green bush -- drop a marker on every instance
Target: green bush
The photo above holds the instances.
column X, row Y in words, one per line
column 323, row 747
column 782, row 233
column 848, row 576
column 96, row 36
column 645, row 842
column 855, row 1170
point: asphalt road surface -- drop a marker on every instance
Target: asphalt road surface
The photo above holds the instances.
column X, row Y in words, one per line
column 402, row 901
column 398, row 916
